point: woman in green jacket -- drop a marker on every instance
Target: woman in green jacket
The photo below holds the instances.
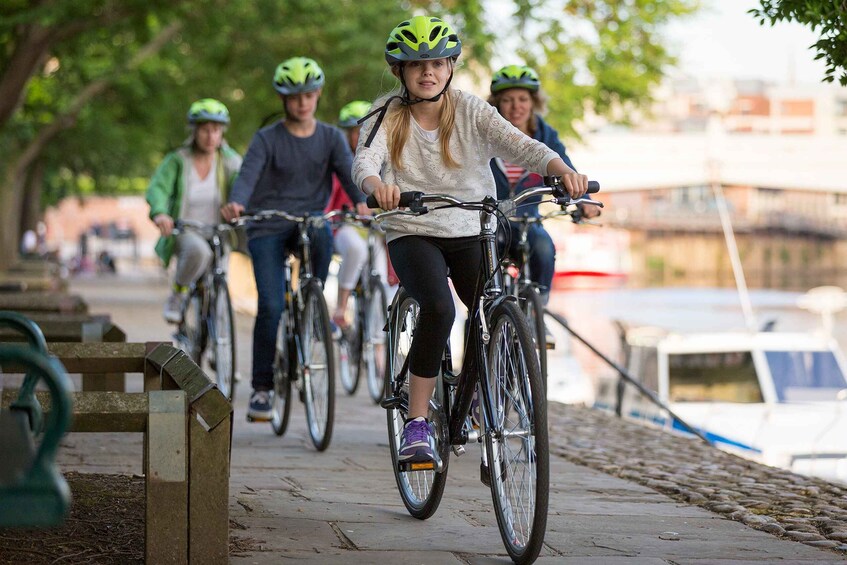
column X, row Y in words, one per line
column 192, row 183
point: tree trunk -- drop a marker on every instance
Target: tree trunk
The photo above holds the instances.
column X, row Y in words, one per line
column 16, row 173
column 10, row 218
column 31, row 205
column 29, row 53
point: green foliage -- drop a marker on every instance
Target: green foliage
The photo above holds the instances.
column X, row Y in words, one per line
column 830, row 16
column 605, row 56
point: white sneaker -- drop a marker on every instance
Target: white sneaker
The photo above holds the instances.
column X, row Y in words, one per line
column 173, row 307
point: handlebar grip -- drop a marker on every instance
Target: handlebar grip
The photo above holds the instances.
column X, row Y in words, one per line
column 406, row 198
column 555, row 180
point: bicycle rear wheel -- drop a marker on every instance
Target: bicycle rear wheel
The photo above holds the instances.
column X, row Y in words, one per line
column 516, row 448
column 420, row 491
column 222, row 336
column 372, row 358
column 533, row 308
column 318, row 365
column 281, row 406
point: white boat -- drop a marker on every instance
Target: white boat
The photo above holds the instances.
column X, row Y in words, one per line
column 775, row 397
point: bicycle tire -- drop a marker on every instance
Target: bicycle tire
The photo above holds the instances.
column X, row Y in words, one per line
column 517, row 449
column 192, row 329
column 371, row 357
column 349, row 344
column 421, row 491
column 315, row 334
column 533, row 308
column 222, row 336
column 281, row 405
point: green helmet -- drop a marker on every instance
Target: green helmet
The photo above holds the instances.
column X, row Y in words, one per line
column 297, row 75
column 208, row 110
column 421, row 37
column 515, row 76
column 351, row 113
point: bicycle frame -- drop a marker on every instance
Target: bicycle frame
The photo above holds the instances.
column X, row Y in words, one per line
column 215, row 271
column 293, row 297
column 524, row 222
column 490, row 292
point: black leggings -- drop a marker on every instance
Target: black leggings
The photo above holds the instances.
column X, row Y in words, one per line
column 422, row 264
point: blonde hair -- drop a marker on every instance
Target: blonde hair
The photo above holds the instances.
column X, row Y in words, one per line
column 398, row 124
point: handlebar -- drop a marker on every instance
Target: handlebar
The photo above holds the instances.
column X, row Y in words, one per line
column 182, row 224
column 552, row 185
column 270, row 214
column 416, row 201
column 348, row 215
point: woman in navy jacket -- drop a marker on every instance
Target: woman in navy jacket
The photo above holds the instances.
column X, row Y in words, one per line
column 516, row 93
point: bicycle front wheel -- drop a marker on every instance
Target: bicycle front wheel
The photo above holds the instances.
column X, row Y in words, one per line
column 372, row 361
column 191, row 336
column 516, row 447
column 420, row 491
column 222, row 335
column 315, row 335
column 348, row 347
column 281, row 405
column 533, row 308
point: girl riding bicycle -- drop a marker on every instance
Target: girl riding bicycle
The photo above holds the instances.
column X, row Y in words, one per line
column 348, row 243
column 437, row 139
column 289, row 167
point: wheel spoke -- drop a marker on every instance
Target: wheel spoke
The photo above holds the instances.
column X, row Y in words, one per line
column 513, row 460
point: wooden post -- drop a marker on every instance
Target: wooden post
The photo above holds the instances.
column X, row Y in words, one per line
column 208, row 505
column 167, row 478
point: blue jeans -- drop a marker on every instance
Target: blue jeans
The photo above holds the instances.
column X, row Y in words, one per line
column 268, row 253
column 542, row 256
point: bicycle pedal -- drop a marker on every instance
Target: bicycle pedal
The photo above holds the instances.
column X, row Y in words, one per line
column 253, row 419
column 391, row 402
column 408, row 467
column 551, row 346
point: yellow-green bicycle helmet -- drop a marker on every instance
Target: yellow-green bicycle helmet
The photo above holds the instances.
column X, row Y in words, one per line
column 352, row 112
column 515, row 76
column 422, row 37
column 208, row 110
column 297, row 75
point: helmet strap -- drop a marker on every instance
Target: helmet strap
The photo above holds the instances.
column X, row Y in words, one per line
column 405, row 100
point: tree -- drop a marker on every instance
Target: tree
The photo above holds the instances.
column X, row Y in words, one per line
column 603, row 56
column 82, row 111
column 828, row 15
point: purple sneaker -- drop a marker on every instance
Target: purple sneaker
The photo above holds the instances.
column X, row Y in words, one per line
column 417, row 441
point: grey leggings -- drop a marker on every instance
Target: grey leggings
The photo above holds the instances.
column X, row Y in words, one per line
column 193, row 257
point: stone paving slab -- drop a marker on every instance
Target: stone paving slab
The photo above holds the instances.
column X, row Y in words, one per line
column 343, row 557
column 342, row 506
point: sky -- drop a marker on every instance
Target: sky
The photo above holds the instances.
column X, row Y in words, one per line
column 723, row 40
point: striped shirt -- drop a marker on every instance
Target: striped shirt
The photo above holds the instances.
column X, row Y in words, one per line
column 513, row 172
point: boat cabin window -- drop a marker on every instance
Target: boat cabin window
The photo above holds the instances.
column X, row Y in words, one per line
column 805, row 376
column 727, row 376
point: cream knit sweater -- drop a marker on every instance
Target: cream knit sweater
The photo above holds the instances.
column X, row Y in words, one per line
column 480, row 134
